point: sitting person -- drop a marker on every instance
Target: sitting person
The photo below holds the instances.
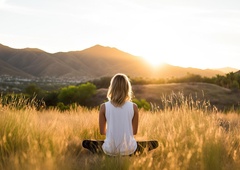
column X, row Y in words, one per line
column 118, row 120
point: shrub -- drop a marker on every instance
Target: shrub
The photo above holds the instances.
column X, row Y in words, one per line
column 142, row 103
column 76, row 94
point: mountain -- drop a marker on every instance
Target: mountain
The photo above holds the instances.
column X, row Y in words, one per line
column 227, row 69
column 90, row 63
column 237, row 72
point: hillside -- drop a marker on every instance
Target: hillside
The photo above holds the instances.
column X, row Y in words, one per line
column 218, row 96
column 227, row 69
column 93, row 62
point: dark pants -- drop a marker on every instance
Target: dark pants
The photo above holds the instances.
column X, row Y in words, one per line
column 96, row 146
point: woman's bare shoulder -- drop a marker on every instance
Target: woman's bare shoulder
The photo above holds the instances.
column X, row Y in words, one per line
column 135, row 106
column 102, row 107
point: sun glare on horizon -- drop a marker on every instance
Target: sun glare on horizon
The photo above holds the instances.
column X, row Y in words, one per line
column 154, row 62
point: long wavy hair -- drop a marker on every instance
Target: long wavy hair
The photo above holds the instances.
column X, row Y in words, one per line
column 120, row 90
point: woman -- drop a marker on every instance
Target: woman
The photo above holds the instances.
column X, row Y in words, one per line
column 120, row 116
column 118, row 120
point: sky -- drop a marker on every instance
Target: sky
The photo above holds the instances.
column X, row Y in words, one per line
column 187, row 33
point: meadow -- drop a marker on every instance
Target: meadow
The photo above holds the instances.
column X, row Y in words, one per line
column 191, row 135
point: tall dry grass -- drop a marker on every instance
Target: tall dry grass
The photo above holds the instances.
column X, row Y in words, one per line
column 191, row 135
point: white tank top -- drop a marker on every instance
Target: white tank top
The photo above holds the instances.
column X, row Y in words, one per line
column 119, row 136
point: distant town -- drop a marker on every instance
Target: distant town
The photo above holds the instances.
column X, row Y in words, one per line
column 18, row 84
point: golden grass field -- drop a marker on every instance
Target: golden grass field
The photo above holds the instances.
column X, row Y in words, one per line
column 190, row 135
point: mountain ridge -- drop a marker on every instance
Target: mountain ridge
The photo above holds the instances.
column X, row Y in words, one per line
column 90, row 63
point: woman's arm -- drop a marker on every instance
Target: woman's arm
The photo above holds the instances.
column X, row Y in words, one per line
column 135, row 119
column 102, row 120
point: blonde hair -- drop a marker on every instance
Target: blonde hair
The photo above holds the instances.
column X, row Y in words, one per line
column 120, row 89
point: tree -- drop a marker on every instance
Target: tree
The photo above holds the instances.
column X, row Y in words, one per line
column 76, row 94
column 51, row 98
column 34, row 90
column 102, row 82
column 235, row 85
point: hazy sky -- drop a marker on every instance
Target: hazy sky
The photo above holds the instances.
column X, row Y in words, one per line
column 188, row 33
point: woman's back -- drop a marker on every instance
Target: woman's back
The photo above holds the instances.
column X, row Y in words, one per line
column 118, row 120
column 119, row 135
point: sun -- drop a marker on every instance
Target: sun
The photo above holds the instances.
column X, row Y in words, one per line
column 154, row 61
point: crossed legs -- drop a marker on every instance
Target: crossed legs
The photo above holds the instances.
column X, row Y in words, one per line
column 96, row 146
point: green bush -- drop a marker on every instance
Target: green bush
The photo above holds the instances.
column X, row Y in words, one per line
column 142, row 103
column 77, row 94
